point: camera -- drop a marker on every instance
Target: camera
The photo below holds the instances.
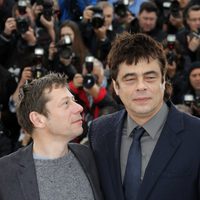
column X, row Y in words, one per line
column 195, row 34
column 21, row 6
column 38, row 70
column 171, row 8
column 22, row 24
column 171, row 39
column 47, row 9
column 65, row 47
column 189, row 99
column 89, row 79
column 171, row 56
column 97, row 18
column 175, row 9
column 121, row 8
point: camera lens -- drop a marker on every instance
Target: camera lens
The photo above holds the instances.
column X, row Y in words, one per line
column 22, row 24
column 88, row 81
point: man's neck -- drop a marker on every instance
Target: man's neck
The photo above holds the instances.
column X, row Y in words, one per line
column 142, row 119
column 50, row 149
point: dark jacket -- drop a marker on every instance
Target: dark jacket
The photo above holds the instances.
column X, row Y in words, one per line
column 173, row 171
column 18, row 175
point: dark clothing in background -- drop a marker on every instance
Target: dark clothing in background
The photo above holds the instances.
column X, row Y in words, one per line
column 8, row 119
column 5, row 12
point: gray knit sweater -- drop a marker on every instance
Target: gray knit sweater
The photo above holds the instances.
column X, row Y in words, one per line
column 62, row 179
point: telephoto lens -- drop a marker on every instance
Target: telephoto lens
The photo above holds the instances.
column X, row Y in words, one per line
column 89, row 79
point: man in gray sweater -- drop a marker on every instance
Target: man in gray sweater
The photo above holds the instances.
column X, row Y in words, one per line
column 50, row 168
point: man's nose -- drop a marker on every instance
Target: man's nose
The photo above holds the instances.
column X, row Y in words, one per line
column 141, row 85
column 77, row 108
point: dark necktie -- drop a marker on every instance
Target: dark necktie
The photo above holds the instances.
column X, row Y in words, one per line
column 133, row 168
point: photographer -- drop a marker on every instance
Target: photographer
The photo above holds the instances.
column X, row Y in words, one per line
column 90, row 90
column 69, row 51
column 147, row 22
column 45, row 22
column 175, row 68
column 17, row 41
column 63, row 58
column 189, row 37
column 193, row 90
column 72, row 9
column 171, row 16
column 98, row 29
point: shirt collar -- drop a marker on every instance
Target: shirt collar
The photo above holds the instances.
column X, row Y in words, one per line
column 110, row 28
column 154, row 125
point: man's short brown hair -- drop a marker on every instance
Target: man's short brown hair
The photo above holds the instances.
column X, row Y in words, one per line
column 131, row 48
column 33, row 98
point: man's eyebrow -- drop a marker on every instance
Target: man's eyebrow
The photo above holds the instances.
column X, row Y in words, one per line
column 128, row 74
column 134, row 74
column 151, row 72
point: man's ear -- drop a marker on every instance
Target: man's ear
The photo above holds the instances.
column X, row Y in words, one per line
column 116, row 87
column 163, row 84
column 37, row 119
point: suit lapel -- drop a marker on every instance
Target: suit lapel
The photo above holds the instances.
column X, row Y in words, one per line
column 27, row 174
column 91, row 172
column 116, row 135
column 165, row 148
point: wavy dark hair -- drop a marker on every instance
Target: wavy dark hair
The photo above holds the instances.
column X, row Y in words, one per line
column 131, row 48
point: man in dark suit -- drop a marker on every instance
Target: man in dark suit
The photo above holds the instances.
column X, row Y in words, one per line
column 49, row 168
column 164, row 161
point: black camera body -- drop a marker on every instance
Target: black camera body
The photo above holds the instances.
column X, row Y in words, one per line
column 97, row 18
column 189, row 99
column 21, row 6
column 65, row 47
column 89, row 79
column 38, row 70
column 47, row 8
column 171, row 8
column 22, row 24
column 175, row 9
column 171, row 55
column 120, row 8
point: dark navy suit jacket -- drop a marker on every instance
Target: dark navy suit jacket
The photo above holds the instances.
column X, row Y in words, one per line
column 18, row 179
column 173, row 172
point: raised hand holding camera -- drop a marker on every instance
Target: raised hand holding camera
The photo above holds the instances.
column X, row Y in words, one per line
column 10, row 26
column 193, row 42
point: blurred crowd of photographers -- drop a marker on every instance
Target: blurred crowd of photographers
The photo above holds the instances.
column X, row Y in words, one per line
column 74, row 37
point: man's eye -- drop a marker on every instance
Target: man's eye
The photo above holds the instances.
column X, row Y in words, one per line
column 130, row 79
column 150, row 78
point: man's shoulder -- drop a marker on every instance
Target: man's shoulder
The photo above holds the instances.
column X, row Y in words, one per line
column 192, row 121
column 110, row 118
column 82, row 152
column 13, row 157
column 186, row 121
column 79, row 147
